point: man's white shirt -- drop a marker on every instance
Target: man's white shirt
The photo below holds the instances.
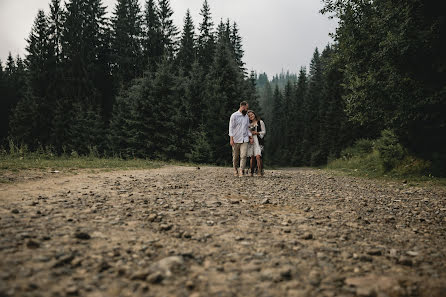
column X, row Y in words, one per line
column 239, row 127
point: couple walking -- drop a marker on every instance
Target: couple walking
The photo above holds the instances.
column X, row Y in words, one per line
column 246, row 132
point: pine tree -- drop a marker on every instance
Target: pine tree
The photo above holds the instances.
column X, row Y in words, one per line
column 297, row 124
column 310, row 143
column 126, row 41
column 87, row 131
column 196, row 96
column 274, row 141
column 152, row 41
column 187, row 51
column 236, row 42
column 225, row 83
column 169, row 31
column 39, row 61
column 251, row 95
column 120, row 135
column 206, row 38
column 86, row 50
column 23, row 123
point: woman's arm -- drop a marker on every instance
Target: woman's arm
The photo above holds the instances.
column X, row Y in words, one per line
column 263, row 132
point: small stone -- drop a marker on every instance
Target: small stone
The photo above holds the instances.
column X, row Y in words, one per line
column 166, row 227
column 265, row 201
column 155, row 278
column 406, row 261
column 374, row 252
column 15, row 211
column 412, row 253
column 190, row 285
column 31, row 244
column 307, row 236
column 140, row 275
column 72, row 291
column 365, row 258
column 82, row 235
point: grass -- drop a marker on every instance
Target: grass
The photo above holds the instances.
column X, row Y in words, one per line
column 412, row 171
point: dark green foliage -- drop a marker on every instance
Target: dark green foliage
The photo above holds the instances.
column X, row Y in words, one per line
column 126, row 42
column 391, row 152
column 168, row 30
column 24, row 123
column 206, row 38
column 153, row 47
column 393, row 54
column 187, row 51
column 201, row 151
column 224, row 86
column 361, row 147
column 87, row 131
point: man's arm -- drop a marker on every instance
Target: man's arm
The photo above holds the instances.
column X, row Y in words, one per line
column 231, row 130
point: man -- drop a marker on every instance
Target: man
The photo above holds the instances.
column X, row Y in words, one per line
column 240, row 135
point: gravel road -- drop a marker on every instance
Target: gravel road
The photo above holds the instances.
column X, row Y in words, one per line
column 185, row 231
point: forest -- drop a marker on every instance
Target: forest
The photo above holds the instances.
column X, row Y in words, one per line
column 133, row 85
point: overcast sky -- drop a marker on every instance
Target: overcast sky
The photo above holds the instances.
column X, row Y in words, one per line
column 277, row 35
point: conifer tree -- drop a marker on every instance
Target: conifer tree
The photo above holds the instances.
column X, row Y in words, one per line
column 274, row 141
column 196, row 96
column 297, row 124
column 310, row 143
column 126, row 41
column 169, row 31
column 236, row 42
column 206, row 38
column 251, row 95
column 39, row 60
column 23, row 123
column 187, row 51
column 152, row 41
column 225, row 83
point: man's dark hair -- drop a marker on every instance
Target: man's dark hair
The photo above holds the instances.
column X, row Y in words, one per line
column 243, row 103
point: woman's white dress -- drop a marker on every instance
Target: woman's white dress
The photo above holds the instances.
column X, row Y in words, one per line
column 256, row 149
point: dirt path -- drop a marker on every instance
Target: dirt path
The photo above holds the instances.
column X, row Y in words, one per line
column 179, row 231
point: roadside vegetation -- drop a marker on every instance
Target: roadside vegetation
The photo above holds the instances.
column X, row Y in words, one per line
column 386, row 158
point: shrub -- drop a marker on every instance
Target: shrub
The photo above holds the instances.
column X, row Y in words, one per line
column 391, row 152
column 361, row 147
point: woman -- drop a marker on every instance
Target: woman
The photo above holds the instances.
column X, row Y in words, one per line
column 257, row 127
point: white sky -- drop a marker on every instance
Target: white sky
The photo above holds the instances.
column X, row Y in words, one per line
column 277, row 35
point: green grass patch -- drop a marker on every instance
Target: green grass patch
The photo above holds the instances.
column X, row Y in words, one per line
column 413, row 171
column 14, row 163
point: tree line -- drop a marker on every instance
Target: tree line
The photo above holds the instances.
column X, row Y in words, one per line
column 132, row 85
column 384, row 75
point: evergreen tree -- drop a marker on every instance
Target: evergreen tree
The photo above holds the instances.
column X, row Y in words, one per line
column 39, row 61
column 297, row 124
column 206, row 38
column 225, row 83
column 251, row 95
column 196, row 97
column 152, row 41
column 120, row 133
column 187, row 51
column 169, row 31
column 275, row 140
column 126, row 41
column 236, row 42
column 87, row 131
column 310, row 143
column 23, row 123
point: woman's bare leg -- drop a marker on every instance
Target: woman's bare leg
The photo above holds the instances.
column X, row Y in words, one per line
column 259, row 165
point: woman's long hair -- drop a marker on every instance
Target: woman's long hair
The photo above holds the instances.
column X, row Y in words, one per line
column 255, row 115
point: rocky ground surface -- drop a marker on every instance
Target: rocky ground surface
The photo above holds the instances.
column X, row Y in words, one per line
column 179, row 231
